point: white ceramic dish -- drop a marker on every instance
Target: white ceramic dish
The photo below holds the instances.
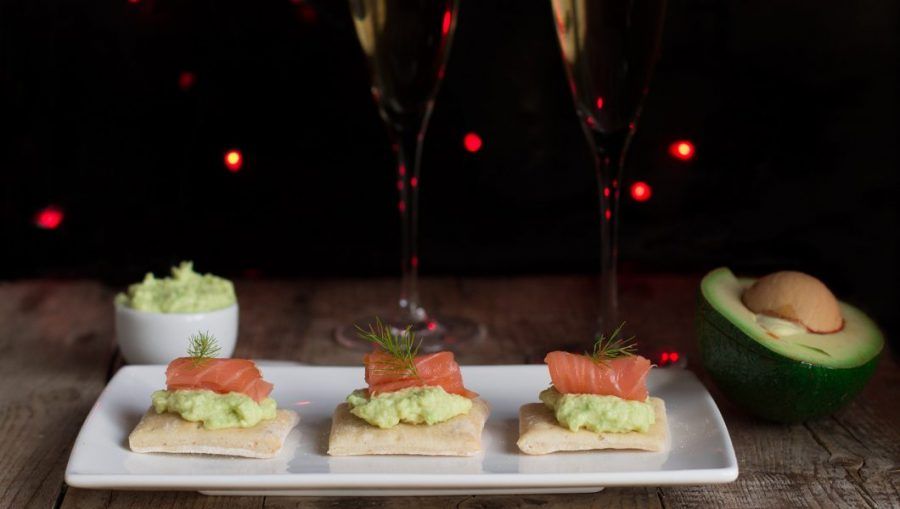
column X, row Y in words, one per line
column 700, row 453
column 147, row 337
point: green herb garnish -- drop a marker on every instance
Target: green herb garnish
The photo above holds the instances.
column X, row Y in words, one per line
column 202, row 346
column 402, row 348
column 612, row 347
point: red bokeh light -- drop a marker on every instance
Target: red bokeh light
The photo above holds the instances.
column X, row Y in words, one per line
column 682, row 149
column 401, row 206
column 49, row 217
column 432, row 325
column 666, row 358
column 307, row 12
column 234, row 160
column 606, row 192
column 186, row 80
column 641, row 191
column 252, row 272
column 599, row 103
column 608, row 214
column 445, row 24
column 413, row 182
column 472, row 142
column 414, row 261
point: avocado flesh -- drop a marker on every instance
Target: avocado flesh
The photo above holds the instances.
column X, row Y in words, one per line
column 791, row 379
column 854, row 345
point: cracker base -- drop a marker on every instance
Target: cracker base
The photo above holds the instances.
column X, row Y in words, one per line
column 540, row 433
column 460, row 436
column 169, row 433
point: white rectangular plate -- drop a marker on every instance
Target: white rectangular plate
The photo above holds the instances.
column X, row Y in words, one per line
column 700, row 452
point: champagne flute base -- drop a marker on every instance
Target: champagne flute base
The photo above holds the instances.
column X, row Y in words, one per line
column 437, row 333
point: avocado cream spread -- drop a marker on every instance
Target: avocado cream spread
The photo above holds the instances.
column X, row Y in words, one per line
column 215, row 411
column 414, row 405
column 185, row 292
column 600, row 414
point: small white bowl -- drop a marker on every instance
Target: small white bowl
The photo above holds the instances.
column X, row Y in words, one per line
column 147, row 337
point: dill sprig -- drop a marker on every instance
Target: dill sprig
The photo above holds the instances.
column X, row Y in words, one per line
column 202, row 346
column 402, row 348
column 612, row 347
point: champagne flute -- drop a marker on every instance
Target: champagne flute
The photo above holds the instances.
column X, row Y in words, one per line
column 406, row 43
column 609, row 48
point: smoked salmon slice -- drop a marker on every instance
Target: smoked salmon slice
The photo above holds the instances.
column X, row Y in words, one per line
column 625, row 377
column 436, row 369
column 218, row 375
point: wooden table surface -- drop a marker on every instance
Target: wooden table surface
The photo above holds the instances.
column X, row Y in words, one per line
column 58, row 351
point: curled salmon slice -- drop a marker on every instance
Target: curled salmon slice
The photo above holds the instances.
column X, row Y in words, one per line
column 436, row 369
column 625, row 377
column 218, row 375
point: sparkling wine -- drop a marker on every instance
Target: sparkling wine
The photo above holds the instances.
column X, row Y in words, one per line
column 406, row 43
column 609, row 48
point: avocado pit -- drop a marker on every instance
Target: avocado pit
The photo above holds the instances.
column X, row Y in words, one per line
column 795, row 297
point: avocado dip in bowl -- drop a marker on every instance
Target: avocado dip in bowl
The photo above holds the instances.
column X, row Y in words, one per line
column 155, row 317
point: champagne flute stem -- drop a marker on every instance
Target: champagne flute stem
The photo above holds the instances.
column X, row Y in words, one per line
column 409, row 155
column 609, row 152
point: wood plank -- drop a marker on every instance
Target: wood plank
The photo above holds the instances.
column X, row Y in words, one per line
column 780, row 466
column 275, row 318
column 94, row 499
column 611, row 498
column 56, row 343
column 765, row 490
column 524, row 316
column 864, row 438
column 363, row 502
column 337, row 302
column 826, row 474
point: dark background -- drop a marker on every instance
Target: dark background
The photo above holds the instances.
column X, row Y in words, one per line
column 792, row 107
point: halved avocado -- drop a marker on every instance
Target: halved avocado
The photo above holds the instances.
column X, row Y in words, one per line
column 789, row 379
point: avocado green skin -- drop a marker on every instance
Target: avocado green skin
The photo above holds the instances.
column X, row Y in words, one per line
column 767, row 384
